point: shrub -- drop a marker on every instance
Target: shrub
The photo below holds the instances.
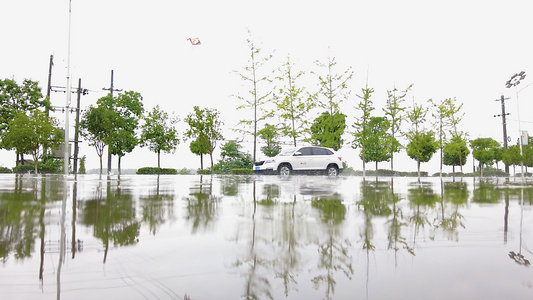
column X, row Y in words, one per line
column 21, row 169
column 203, row 171
column 158, row 171
column 242, row 171
column 5, row 170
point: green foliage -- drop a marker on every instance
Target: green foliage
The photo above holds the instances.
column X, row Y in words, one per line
column 242, row 171
column 205, row 122
column 332, row 209
column 128, row 108
column 96, row 126
column 292, row 104
column 204, row 171
column 5, row 170
column 394, row 110
column 455, row 152
column 270, row 135
column 158, row 132
column 184, row 171
column 361, row 134
column 333, row 86
column 377, row 143
column 82, row 169
column 232, row 159
column 16, row 98
column 31, row 134
column 327, row 130
column 484, row 150
column 22, row 169
column 158, row 171
column 256, row 100
column 422, row 146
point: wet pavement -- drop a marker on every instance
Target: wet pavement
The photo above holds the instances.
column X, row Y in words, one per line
column 264, row 237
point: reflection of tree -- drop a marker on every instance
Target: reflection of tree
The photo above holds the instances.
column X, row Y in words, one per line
column 156, row 208
column 112, row 218
column 18, row 221
column 453, row 196
column 230, row 184
column 422, row 197
column 202, row 205
column 257, row 283
column 396, row 223
column 288, row 259
column 486, row 193
column 333, row 250
column 375, row 200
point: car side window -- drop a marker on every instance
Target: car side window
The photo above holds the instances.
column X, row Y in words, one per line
column 306, row 151
column 319, row 151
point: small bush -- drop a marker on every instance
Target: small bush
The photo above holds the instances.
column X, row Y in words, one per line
column 158, row 171
column 5, row 170
column 184, row 171
column 203, row 171
column 242, row 171
column 21, row 169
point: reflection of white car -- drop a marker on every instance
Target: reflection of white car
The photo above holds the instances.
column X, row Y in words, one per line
column 302, row 159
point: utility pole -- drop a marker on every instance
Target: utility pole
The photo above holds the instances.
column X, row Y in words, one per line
column 50, row 65
column 504, row 123
column 80, row 91
column 110, row 89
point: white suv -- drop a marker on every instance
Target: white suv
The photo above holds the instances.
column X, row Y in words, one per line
column 302, row 159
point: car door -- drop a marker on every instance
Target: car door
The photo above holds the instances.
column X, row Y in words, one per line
column 319, row 156
column 302, row 159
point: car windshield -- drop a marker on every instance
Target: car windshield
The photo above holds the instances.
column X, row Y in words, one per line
column 287, row 152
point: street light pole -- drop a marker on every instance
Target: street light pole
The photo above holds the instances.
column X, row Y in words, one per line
column 514, row 81
column 66, row 154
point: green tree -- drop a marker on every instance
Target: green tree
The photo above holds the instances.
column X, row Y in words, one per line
column 31, row 134
column 484, row 151
column 256, row 100
column 200, row 146
column 129, row 108
column 232, row 158
column 270, row 134
column 327, row 130
column 292, row 103
column 333, row 86
column 82, row 169
column 361, row 134
column 421, row 147
column 16, row 98
column 158, row 132
column 422, row 144
column 378, row 142
column 448, row 115
column 394, row 110
column 205, row 121
column 511, row 156
column 96, row 126
column 455, row 152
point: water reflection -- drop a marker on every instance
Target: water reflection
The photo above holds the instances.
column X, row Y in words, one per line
column 255, row 237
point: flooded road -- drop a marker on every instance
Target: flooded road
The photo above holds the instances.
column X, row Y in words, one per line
column 264, row 237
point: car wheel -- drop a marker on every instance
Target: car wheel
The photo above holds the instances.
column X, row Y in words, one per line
column 285, row 170
column 332, row 170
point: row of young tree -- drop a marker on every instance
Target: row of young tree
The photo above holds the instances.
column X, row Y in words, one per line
column 119, row 124
column 283, row 108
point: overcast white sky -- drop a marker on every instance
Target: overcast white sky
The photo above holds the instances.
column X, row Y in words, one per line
column 464, row 49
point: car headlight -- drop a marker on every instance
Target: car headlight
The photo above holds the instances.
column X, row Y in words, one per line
column 269, row 161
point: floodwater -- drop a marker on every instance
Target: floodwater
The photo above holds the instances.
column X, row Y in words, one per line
column 264, row 237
